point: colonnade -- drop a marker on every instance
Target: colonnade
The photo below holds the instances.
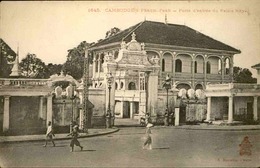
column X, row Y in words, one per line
column 7, row 105
column 230, row 108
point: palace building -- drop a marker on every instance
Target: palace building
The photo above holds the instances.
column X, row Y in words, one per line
column 141, row 56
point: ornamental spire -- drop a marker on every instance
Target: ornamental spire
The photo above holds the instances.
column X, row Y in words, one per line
column 16, row 69
column 133, row 36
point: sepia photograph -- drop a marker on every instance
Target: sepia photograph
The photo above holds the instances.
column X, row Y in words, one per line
column 130, row 83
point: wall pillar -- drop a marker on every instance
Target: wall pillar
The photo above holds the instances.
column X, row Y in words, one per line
column 255, row 108
column 230, row 109
column 49, row 109
column 177, row 116
column 6, row 117
column 131, row 109
column 94, row 67
column 208, row 109
column 41, row 107
column 152, row 92
column 121, row 109
column 205, row 71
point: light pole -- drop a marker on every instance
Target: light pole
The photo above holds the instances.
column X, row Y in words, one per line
column 108, row 114
column 72, row 97
column 167, row 86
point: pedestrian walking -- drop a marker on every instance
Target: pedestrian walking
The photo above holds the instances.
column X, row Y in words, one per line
column 49, row 134
column 74, row 141
column 148, row 138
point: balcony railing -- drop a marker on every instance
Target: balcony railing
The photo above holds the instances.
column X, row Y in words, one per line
column 23, row 82
column 229, row 86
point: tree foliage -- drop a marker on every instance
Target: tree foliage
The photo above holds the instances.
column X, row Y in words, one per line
column 7, row 57
column 33, row 67
column 74, row 65
column 243, row 75
column 112, row 32
column 53, row 69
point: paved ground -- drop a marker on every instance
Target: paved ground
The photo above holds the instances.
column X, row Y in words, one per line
column 171, row 148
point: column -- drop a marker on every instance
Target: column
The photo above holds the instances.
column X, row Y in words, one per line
column 122, row 109
column 255, row 108
column 81, row 117
column 177, row 116
column 152, row 92
column 49, row 109
column 98, row 64
column 205, row 71
column 41, row 107
column 161, row 57
column 193, row 72
column 131, row 110
column 6, row 117
column 208, row 109
column 94, row 66
column 173, row 68
column 222, row 70
column 231, row 65
column 230, row 109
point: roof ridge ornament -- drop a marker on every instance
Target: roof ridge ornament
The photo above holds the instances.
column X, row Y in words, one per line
column 133, row 36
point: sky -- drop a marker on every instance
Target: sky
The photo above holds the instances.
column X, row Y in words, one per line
column 49, row 28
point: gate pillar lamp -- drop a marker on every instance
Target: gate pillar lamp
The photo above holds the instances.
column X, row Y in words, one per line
column 108, row 114
column 167, row 86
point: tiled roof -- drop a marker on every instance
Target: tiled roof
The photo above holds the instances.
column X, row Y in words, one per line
column 256, row 66
column 167, row 34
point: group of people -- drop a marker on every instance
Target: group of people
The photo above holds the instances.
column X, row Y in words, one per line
column 74, row 134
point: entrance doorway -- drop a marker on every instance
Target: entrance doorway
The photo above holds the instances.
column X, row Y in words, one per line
column 126, row 109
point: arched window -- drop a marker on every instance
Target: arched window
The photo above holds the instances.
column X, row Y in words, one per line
column 178, row 65
column 198, row 86
column 195, row 67
column 208, row 67
column 116, row 55
column 116, row 86
column 163, row 65
column 101, row 62
column 131, row 86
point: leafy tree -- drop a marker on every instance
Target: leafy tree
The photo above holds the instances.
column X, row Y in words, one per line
column 7, row 56
column 112, row 32
column 243, row 75
column 53, row 69
column 33, row 67
column 74, row 65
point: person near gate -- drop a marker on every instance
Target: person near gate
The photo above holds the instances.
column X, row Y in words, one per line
column 74, row 141
column 49, row 134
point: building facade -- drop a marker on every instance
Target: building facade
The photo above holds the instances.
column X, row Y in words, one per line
column 190, row 58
